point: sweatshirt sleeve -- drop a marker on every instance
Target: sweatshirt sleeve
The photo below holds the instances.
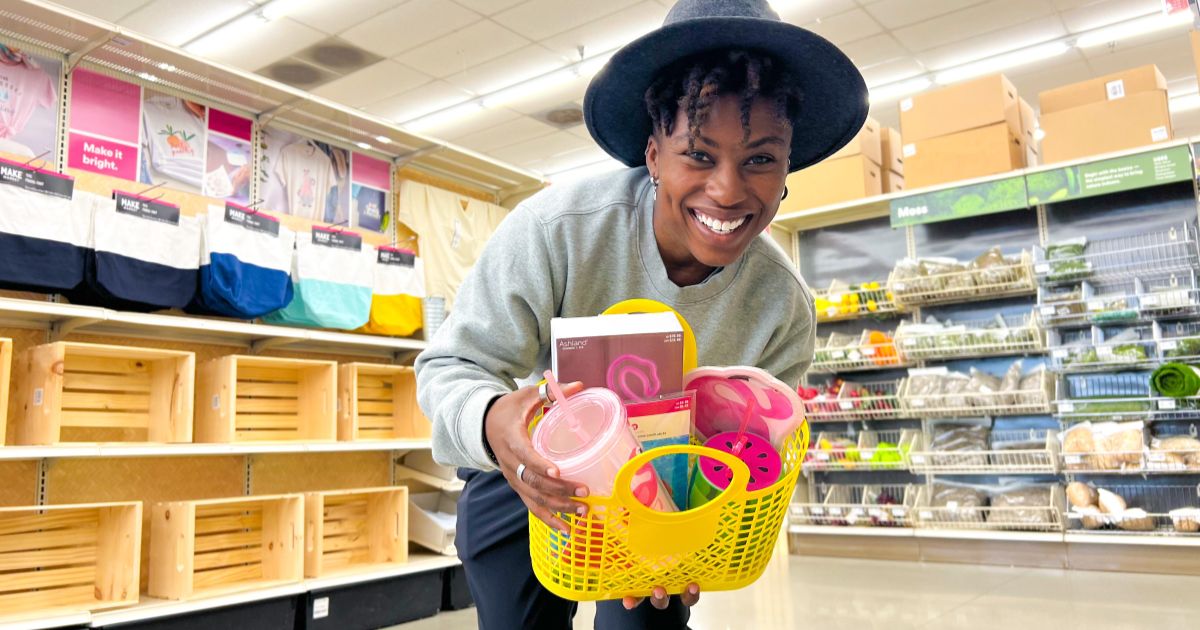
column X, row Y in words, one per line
column 493, row 336
column 790, row 352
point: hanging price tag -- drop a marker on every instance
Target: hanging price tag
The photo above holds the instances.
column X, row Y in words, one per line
column 1073, row 459
column 822, row 456
column 1170, row 344
column 868, row 351
column 1166, row 405
column 817, row 511
column 835, row 511
column 1047, row 311
column 1066, row 407
column 1042, row 268
column 925, row 515
column 1105, row 352
column 917, row 459
column 899, row 512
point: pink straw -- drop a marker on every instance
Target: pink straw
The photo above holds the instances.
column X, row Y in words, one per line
column 741, row 436
column 561, row 399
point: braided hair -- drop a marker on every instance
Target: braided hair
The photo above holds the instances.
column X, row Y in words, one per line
column 694, row 83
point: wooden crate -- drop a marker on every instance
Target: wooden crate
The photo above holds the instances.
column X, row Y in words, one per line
column 355, row 530
column 216, row 546
column 6, row 346
column 379, row 402
column 81, row 392
column 244, row 398
column 69, row 558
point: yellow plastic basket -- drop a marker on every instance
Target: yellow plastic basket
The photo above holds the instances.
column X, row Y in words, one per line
column 624, row 548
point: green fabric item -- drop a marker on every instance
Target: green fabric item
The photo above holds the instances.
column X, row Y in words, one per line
column 1176, row 380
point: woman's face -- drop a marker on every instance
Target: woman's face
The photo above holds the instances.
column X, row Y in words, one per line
column 716, row 197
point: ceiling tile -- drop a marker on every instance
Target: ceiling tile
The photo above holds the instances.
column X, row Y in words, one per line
column 110, row 10
column 481, row 121
column 519, row 130
column 539, row 19
column 271, row 42
column 178, row 22
column 581, row 131
column 887, row 114
column 543, row 148
column 417, row 102
column 409, row 25
column 514, row 67
column 874, row 50
column 544, row 99
column 846, row 27
column 996, row 42
column 892, row 71
column 482, row 41
column 372, row 84
column 1172, row 54
column 609, row 32
column 488, row 7
column 569, row 160
column 805, row 11
column 896, row 13
column 970, row 22
column 1097, row 14
column 335, row 17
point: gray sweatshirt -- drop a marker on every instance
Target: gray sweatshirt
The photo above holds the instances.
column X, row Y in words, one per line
column 573, row 251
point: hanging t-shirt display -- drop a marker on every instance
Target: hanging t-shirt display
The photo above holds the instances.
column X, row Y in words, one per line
column 332, row 277
column 453, row 231
column 308, row 177
column 173, row 131
column 399, row 289
column 246, row 263
column 145, row 256
column 28, row 102
column 45, row 228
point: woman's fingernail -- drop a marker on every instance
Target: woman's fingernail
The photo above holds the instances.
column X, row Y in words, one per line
column 694, row 590
column 581, row 492
column 581, row 510
column 552, row 472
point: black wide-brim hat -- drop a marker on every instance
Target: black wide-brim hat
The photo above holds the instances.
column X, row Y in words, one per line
column 834, row 105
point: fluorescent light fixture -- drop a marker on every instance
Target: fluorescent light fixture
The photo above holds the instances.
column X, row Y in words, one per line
column 1185, row 103
column 998, row 63
column 226, row 36
column 364, row 146
column 529, row 88
column 444, row 116
column 383, row 140
column 1132, row 28
column 900, row 89
column 146, row 76
column 166, row 67
column 279, row 8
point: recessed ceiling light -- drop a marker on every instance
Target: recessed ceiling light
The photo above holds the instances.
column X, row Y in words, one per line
column 364, row 145
column 146, row 76
column 383, row 139
column 166, row 67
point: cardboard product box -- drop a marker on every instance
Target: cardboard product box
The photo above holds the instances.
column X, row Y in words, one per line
column 1134, row 121
column 966, row 155
column 629, row 354
column 892, row 182
column 970, row 105
column 1029, row 124
column 867, row 142
column 832, row 181
column 892, row 149
column 1106, row 88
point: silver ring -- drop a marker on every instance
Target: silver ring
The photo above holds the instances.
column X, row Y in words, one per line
column 545, row 395
column 521, row 472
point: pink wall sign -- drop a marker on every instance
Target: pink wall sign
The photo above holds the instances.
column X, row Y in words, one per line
column 105, row 120
column 369, row 171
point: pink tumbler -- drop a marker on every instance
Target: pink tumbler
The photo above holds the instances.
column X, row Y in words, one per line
column 589, row 438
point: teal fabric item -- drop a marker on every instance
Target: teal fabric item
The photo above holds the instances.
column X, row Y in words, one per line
column 325, row 304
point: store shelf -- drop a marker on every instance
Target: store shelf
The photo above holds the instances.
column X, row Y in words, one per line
column 842, row 302
column 10, row 453
column 447, row 485
column 1120, row 396
column 962, row 284
column 1162, row 251
column 868, row 352
column 1144, row 299
column 150, row 608
column 966, row 404
column 1130, row 538
column 925, row 461
column 68, row 620
column 998, row 535
column 857, row 401
column 989, row 522
column 63, row 319
column 830, row 530
column 111, row 48
column 865, row 451
column 997, row 336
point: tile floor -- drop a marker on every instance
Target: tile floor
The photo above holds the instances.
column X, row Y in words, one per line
column 820, row 593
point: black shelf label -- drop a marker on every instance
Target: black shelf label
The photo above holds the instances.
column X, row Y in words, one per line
column 396, row 257
column 148, row 209
column 35, row 180
column 253, row 221
column 340, row 240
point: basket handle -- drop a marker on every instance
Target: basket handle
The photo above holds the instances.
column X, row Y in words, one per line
column 644, row 305
column 690, row 530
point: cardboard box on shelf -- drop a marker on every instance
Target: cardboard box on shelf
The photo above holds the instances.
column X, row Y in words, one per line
column 1101, row 89
column 867, row 143
column 1136, row 120
column 892, row 182
column 832, row 181
column 966, row 155
column 891, row 149
column 970, row 105
column 1029, row 124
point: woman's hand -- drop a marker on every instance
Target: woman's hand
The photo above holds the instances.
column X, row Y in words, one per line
column 506, row 428
column 659, row 599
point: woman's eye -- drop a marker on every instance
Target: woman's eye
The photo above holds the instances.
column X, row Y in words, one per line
column 761, row 159
column 699, row 156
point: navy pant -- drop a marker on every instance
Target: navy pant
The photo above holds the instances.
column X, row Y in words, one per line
column 493, row 544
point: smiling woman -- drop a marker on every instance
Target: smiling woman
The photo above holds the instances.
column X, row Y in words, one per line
column 711, row 112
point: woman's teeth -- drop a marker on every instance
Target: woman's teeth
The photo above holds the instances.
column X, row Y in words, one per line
column 718, row 226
